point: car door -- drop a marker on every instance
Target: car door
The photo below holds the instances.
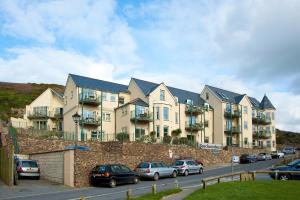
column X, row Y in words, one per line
column 191, row 166
column 117, row 173
column 165, row 169
column 127, row 174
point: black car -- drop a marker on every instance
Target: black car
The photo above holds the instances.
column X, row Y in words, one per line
column 248, row 158
column 112, row 175
column 293, row 166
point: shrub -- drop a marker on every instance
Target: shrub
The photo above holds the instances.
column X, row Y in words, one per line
column 123, row 137
column 183, row 140
column 147, row 139
column 167, row 139
column 176, row 132
column 175, row 140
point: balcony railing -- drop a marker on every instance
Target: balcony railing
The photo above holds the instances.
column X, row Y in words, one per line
column 234, row 130
column 194, row 110
column 90, row 100
column 90, row 121
column 262, row 120
column 141, row 117
column 232, row 113
column 38, row 115
column 195, row 126
column 262, row 134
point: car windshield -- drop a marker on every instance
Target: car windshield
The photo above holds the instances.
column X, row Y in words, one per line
column 29, row 164
column 178, row 163
column 295, row 162
column 143, row 165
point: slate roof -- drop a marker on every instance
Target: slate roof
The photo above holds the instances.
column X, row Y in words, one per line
column 235, row 98
column 106, row 86
column 60, row 95
column 266, row 103
column 138, row 102
column 182, row 95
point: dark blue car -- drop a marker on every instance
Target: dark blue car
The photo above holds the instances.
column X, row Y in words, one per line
column 292, row 166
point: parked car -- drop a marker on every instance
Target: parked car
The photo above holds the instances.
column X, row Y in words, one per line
column 292, row 166
column 186, row 167
column 27, row 168
column 277, row 154
column 155, row 170
column 113, row 175
column 289, row 150
column 264, row 156
column 200, row 162
column 248, row 158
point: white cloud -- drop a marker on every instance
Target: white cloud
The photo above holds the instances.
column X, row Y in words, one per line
column 51, row 66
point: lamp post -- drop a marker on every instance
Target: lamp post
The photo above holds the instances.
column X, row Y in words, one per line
column 76, row 118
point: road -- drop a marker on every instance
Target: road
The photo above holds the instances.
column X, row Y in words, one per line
column 143, row 187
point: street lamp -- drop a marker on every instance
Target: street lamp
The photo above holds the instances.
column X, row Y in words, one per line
column 76, row 118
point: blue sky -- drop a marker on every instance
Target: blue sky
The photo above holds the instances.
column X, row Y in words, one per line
column 248, row 47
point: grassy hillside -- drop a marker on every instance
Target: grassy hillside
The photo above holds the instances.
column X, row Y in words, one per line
column 287, row 137
column 15, row 96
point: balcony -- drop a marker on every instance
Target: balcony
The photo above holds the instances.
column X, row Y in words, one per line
column 194, row 127
column 262, row 134
column 233, row 130
column 141, row 118
column 194, row 110
column 93, row 100
column 232, row 113
column 58, row 115
column 90, row 121
column 261, row 120
column 38, row 115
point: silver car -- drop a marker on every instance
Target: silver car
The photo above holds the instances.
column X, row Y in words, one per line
column 27, row 168
column 186, row 167
column 155, row 170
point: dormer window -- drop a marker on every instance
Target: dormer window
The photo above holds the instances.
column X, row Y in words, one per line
column 162, row 95
column 189, row 102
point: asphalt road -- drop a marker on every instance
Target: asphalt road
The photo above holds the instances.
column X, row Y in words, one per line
column 143, row 187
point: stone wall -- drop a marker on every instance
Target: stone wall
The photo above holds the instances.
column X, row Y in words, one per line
column 130, row 154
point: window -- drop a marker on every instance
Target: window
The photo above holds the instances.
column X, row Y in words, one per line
column 228, row 107
column 71, row 94
column 246, row 141
column 96, row 135
column 268, row 116
column 228, row 124
column 166, row 130
column 104, row 96
column 40, row 110
column 89, row 114
column 273, row 115
column 124, row 129
column 268, row 129
column 189, row 102
column 157, row 112
column 157, row 131
column 206, row 140
column 245, row 125
column 121, row 100
column 113, row 98
column 162, row 95
column 245, row 109
column 124, row 110
column 125, row 169
column 106, row 117
column 268, row 143
column 273, row 129
column 140, row 110
column 139, row 133
column 166, row 113
column 192, row 119
column 207, row 96
column 176, row 117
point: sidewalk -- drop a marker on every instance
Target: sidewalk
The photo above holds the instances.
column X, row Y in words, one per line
column 181, row 195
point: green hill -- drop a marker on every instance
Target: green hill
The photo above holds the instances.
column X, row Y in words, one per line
column 287, row 137
column 15, row 96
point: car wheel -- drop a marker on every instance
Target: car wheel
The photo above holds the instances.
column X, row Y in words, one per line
column 112, row 183
column 37, row 178
column 284, row 177
column 174, row 174
column 186, row 173
column 136, row 180
column 201, row 170
column 156, row 177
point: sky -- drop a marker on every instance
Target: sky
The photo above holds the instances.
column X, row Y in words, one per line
column 250, row 47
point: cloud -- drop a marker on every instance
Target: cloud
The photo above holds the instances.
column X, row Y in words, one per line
column 51, row 66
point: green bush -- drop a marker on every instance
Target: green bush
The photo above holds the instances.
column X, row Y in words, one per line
column 183, row 140
column 176, row 132
column 123, row 137
column 147, row 139
column 167, row 139
column 175, row 140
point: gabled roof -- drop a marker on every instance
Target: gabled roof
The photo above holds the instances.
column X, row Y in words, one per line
column 235, row 98
column 266, row 103
column 60, row 95
column 182, row 95
column 138, row 102
column 106, row 86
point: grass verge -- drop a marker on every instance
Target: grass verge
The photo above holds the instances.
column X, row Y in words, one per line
column 258, row 190
column 158, row 195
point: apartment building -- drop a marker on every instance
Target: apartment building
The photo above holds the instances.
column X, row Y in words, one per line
column 95, row 101
column 45, row 112
column 241, row 120
column 162, row 109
